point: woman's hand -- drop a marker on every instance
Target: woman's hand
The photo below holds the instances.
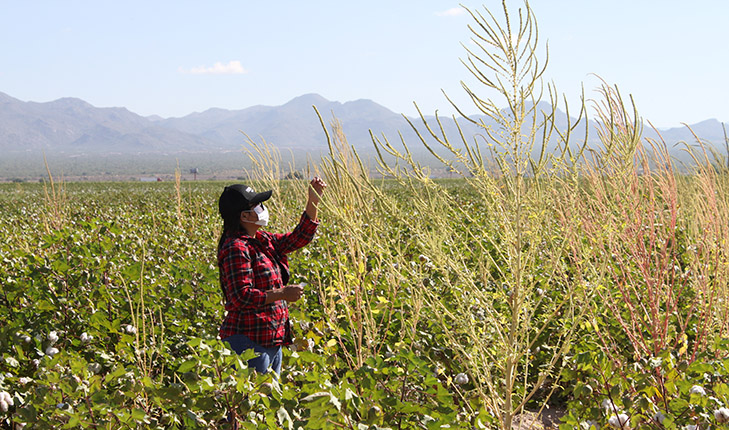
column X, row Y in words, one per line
column 290, row 293
column 316, row 188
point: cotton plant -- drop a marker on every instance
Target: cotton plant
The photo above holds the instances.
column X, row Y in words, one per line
column 461, row 379
column 697, row 390
column 52, row 337
column 589, row 425
column 607, row 404
column 6, row 401
column 619, row 421
column 722, row 415
column 694, row 394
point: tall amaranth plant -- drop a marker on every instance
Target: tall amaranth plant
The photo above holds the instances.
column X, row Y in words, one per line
column 504, row 295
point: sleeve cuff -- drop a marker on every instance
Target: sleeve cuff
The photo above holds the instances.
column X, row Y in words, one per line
column 305, row 219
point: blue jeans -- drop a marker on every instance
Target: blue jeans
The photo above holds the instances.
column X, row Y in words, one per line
column 267, row 357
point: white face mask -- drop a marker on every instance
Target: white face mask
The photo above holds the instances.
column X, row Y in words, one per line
column 262, row 213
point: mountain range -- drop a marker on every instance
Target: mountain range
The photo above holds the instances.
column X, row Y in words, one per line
column 73, row 127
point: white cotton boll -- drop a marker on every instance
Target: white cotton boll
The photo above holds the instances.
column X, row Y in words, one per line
column 461, row 379
column 25, row 380
column 6, row 401
column 53, row 337
column 691, row 427
column 698, row 389
column 607, row 404
column 619, row 421
column 94, row 367
column 35, row 362
column 721, row 415
column 86, row 338
column 51, row 351
column 659, row 417
column 655, row 362
column 25, row 338
column 130, row 329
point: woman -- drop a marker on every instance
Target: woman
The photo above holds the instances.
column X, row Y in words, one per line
column 254, row 272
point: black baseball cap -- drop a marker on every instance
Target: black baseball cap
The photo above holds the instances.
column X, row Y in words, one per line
column 236, row 198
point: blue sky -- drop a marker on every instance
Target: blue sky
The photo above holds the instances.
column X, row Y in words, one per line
column 172, row 58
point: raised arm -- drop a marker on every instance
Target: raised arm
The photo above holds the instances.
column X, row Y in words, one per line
column 285, row 243
column 316, row 188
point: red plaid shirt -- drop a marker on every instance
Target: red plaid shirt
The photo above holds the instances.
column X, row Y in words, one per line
column 248, row 268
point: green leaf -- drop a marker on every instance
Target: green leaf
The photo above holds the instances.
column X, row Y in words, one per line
column 316, row 396
column 138, row 414
column 615, row 391
column 187, row 366
column 147, row 382
column 678, row 404
column 700, row 368
column 722, row 390
column 73, row 421
column 117, row 372
column 207, row 383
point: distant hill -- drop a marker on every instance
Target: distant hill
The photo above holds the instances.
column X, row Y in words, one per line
column 75, row 128
column 293, row 125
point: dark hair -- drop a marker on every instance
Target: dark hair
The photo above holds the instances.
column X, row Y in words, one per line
column 231, row 224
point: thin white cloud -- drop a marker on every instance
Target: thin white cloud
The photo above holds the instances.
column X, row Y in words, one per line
column 232, row 68
column 456, row 11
